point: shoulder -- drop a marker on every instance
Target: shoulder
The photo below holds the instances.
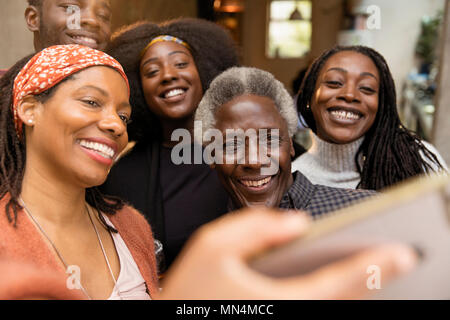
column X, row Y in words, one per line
column 305, row 160
column 129, row 220
column 433, row 149
column 327, row 199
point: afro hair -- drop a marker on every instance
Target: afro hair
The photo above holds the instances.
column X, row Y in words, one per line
column 212, row 48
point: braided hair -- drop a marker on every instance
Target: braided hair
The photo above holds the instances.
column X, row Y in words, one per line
column 391, row 153
column 13, row 155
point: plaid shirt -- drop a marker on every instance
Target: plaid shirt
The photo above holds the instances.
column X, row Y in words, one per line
column 317, row 199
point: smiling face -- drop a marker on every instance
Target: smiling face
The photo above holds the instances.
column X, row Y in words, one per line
column 245, row 182
column 170, row 81
column 81, row 129
column 54, row 23
column 345, row 101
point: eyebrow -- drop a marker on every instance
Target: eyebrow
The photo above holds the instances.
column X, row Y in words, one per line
column 103, row 93
column 345, row 71
column 170, row 54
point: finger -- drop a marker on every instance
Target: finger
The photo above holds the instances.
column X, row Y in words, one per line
column 348, row 279
column 250, row 231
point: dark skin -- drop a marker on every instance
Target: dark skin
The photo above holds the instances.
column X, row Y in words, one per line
column 345, row 102
column 53, row 23
column 172, row 86
column 93, row 106
column 245, row 182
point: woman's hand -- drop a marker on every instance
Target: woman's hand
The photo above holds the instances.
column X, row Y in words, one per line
column 214, row 264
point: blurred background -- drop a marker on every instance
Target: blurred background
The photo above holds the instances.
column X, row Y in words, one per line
column 283, row 37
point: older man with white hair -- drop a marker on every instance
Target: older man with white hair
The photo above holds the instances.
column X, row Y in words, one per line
column 252, row 101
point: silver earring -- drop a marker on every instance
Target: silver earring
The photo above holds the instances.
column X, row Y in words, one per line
column 307, row 106
column 30, row 121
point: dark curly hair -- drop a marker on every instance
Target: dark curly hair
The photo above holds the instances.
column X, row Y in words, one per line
column 392, row 153
column 212, row 48
column 13, row 155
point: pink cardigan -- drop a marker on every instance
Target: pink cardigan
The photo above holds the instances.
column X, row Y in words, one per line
column 25, row 244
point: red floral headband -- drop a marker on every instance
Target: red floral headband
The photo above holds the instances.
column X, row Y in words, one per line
column 52, row 65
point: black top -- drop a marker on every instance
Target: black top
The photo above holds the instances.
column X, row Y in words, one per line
column 175, row 199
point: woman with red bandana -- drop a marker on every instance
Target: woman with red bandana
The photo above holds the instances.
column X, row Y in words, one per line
column 64, row 121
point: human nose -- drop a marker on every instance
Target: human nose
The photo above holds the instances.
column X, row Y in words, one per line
column 113, row 124
column 169, row 74
column 89, row 18
column 349, row 93
column 256, row 156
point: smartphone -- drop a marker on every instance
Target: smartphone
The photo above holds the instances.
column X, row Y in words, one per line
column 416, row 212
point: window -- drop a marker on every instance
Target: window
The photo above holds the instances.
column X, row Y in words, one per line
column 289, row 29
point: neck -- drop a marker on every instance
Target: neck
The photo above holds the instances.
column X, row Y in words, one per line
column 335, row 157
column 53, row 200
column 168, row 127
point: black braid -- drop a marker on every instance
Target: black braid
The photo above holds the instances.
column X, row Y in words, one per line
column 13, row 156
column 391, row 152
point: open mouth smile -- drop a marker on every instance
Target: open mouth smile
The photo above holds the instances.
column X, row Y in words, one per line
column 84, row 40
column 255, row 184
column 174, row 94
column 98, row 151
column 344, row 114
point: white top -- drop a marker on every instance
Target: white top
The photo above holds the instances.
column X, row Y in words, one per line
column 330, row 164
column 334, row 165
column 130, row 284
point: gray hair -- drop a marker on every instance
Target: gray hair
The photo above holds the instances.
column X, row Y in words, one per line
column 238, row 81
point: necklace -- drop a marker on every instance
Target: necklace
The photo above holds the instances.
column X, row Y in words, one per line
column 59, row 254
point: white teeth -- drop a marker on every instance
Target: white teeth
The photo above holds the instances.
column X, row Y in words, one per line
column 86, row 39
column 100, row 148
column 255, row 183
column 345, row 115
column 173, row 93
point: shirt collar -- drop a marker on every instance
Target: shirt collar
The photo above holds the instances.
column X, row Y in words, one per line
column 299, row 194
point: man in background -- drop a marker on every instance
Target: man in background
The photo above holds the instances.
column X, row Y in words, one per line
column 53, row 22
column 84, row 22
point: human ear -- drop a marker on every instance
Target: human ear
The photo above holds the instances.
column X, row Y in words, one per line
column 27, row 110
column 32, row 18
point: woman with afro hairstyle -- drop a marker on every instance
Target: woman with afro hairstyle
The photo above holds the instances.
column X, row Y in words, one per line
column 348, row 100
column 169, row 66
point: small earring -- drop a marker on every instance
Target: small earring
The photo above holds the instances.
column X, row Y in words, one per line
column 30, row 121
column 307, row 106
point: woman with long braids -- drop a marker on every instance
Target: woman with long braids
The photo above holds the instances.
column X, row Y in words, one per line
column 169, row 66
column 348, row 100
column 64, row 115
